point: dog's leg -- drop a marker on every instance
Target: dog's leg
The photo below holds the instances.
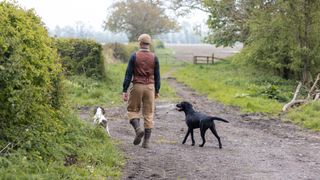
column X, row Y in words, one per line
column 203, row 132
column 193, row 142
column 95, row 120
column 214, row 132
column 107, row 128
column 185, row 138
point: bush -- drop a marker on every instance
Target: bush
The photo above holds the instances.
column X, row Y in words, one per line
column 120, row 51
column 158, row 44
column 30, row 75
column 123, row 52
column 31, row 92
column 81, row 56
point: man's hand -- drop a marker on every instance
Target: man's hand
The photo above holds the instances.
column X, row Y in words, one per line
column 157, row 95
column 125, row 96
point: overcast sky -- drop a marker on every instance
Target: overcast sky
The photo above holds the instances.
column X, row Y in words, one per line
column 91, row 12
column 68, row 12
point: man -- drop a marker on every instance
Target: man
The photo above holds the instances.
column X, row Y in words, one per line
column 143, row 71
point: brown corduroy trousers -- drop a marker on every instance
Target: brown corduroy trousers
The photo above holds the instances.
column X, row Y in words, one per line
column 141, row 98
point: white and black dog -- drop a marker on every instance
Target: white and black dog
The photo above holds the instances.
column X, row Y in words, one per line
column 99, row 118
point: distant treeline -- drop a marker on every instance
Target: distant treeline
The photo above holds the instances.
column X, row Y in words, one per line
column 186, row 34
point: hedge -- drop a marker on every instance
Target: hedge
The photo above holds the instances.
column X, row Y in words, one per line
column 123, row 52
column 30, row 74
column 81, row 56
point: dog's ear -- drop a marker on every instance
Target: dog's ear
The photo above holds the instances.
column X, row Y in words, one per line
column 187, row 104
column 103, row 111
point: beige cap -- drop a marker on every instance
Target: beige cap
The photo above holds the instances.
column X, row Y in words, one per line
column 145, row 38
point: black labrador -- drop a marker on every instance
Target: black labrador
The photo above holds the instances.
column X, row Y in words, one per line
column 198, row 120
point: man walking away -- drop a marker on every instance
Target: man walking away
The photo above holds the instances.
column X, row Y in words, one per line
column 144, row 71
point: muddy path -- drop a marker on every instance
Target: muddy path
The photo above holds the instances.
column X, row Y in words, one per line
column 254, row 146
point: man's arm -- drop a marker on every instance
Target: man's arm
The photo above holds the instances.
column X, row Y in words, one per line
column 157, row 81
column 129, row 73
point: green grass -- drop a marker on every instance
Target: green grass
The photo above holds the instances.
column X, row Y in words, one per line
column 84, row 91
column 307, row 116
column 167, row 64
column 44, row 156
column 166, row 57
column 237, row 85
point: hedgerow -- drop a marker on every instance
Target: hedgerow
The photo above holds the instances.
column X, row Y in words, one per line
column 81, row 57
column 30, row 74
column 123, row 52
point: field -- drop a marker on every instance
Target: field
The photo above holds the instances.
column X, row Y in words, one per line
column 185, row 52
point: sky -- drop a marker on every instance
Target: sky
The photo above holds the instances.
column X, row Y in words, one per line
column 91, row 12
column 68, row 12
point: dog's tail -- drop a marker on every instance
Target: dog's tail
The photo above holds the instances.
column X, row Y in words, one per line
column 219, row 119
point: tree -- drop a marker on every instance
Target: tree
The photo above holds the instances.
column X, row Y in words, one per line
column 228, row 21
column 183, row 7
column 135, row 17
column 279, row 35
column 284, row 36
column 227, row 18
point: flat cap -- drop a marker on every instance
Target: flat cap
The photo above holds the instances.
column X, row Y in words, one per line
column 145, row 38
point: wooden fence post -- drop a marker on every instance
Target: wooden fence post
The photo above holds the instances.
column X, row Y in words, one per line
column 212, row 58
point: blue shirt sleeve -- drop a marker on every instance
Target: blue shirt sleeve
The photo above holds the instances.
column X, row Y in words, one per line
column 157, row 80
column 129, row 73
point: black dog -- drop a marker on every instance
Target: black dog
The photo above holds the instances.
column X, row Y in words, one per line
column 198, row 120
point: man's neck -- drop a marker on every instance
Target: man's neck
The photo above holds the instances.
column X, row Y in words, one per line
column 144, row 49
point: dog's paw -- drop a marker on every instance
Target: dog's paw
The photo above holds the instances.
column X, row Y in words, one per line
column 201, row 145
column 192, row 144
column 220, row 147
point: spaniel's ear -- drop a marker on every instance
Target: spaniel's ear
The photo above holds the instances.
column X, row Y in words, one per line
column 103, row 111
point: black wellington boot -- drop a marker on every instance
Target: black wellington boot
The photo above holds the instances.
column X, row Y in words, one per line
column 139, row 132
column 147, row 134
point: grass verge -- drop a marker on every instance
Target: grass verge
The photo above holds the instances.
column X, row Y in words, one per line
column 236, row 85
column 84, row 91
column 307, row 116
column 76, row 150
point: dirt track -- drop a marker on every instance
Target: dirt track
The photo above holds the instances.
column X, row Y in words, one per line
column 254, row 146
